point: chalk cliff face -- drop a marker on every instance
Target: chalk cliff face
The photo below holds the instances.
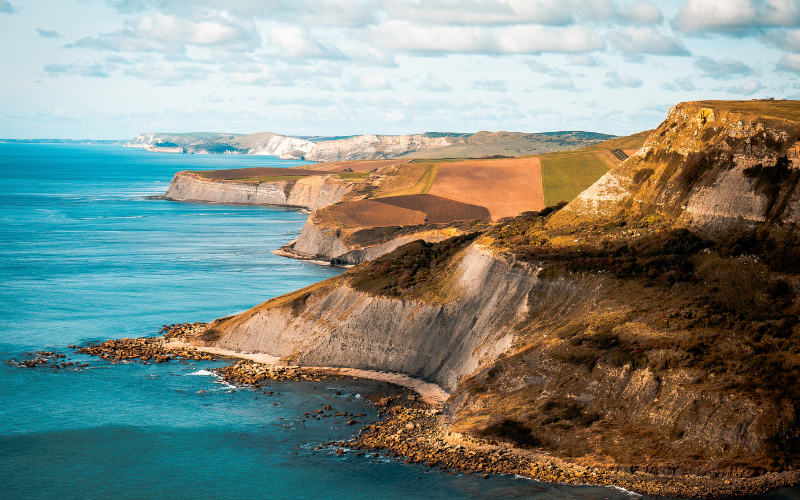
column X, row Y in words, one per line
column 265, row 143
column 606, row 331
column 438, row 342
column 364, row 147
column 369, row 147
column 309, row 192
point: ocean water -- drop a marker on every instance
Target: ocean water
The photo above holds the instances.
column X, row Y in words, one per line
column 86, row 256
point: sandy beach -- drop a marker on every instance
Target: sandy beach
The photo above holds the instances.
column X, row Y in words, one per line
column 430, row 393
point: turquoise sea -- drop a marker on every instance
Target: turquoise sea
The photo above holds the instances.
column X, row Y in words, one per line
column 86, row 256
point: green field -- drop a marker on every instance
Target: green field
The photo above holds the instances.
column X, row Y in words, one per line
column 566, row 175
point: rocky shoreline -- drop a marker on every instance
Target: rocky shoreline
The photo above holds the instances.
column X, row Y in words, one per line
column 420, row 432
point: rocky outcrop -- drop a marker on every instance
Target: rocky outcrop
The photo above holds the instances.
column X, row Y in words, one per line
column 335, row 244
column 310, row 192
column 710, row 166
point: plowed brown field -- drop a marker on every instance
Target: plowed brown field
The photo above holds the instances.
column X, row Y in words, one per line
column 405, row 211
column 505, row 187
column 356, row 166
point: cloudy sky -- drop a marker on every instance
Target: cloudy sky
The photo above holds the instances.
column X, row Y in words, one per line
column 110, row 69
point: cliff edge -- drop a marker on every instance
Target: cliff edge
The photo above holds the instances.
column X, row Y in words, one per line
column 310, row 192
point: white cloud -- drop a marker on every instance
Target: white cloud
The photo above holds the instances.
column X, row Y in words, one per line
column 491, row 85
column 166, row 33
column 48, row 33
column 564, row 83
column 583, row 60
column 490, row 12
column 735, row 17
column 616, row 80
column 540, row 67
column 317, row 102
column 748, row 88
column 784, row 39
column 168, row 74
column 684, row 84
column 420, row 39
column 433, row 83
column 646, row 40
column 789, row 62
column 368, row 82
column 256, row 74
column 297, row 43
column 654, row 106
column 346, row 13
column 642, row 12
column 80, row 68
column 722, row 69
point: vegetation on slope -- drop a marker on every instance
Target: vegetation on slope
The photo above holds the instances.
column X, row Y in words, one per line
column 409, row 268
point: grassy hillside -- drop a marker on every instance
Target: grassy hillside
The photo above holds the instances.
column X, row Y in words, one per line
column 566, row 175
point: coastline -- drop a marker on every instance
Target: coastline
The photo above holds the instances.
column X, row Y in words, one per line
column 430, row 393
column 416, row 428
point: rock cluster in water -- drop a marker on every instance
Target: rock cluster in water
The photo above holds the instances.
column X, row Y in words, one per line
column 51, row 359
column 151, row 348
column 247, row 372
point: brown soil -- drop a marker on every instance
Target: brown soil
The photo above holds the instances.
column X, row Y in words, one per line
column 505, row 187
column 406, row 210
column 373, row 213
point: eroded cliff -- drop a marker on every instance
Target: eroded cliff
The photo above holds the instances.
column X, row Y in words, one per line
column 310, row 192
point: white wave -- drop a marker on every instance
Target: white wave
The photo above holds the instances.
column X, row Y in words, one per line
column 201, row 372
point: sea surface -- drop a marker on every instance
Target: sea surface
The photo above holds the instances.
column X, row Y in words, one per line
column 85, row 256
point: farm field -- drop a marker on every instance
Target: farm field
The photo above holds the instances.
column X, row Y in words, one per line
column 355, row 165
column 254, row 172
column 406, row 210
column 408, row 178
column 506, row 187
column 565, row 175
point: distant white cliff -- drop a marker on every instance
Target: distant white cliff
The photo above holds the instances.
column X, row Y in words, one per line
column 363, row 147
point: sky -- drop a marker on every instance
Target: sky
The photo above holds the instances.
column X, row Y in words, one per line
column 111, row 69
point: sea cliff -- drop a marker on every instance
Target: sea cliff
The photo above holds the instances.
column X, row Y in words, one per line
column 310, row 192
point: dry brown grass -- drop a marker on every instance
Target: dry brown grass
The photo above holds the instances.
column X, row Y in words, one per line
column 410, row 178
column 505, row 187
column 630, row 152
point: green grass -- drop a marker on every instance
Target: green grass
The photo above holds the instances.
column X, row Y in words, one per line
column 353, row 175
column 565, row 176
